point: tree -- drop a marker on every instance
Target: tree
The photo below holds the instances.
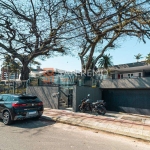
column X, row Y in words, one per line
column 148, row 59
column 138, row 56
column 15, row 66
column 105, row 61
column 12, row 66
column 31, row 29
column 101, row 24
column 34, row 62
column 86, row 60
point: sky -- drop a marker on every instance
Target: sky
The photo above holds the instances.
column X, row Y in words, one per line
column 123, row 54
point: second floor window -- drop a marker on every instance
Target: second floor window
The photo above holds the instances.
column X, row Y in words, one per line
column 121, row 76
column 129, row 75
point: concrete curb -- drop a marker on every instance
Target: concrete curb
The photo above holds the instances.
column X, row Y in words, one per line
column 111, row 128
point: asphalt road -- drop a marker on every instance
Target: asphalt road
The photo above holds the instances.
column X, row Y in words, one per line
column 47, row 135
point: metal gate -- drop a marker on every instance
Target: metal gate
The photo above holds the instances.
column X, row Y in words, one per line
column 65, row 97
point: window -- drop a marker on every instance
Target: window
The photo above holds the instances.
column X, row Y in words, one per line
column 15, row 98
column 121, row 76
column 129, row 75
column 1, row 98
column 113, row 76
column 8, row 98
column 5, row 97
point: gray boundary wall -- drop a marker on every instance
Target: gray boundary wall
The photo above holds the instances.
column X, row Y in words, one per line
column 46, row 94
column 80, row 92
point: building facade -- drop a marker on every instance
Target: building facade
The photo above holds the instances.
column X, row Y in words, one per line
column 7, row 74
column 35, row 72
column 130, row 70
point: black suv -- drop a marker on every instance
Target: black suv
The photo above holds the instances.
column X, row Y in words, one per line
column 16, row 107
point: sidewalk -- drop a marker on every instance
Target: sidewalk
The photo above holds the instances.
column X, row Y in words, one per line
column 136, row 126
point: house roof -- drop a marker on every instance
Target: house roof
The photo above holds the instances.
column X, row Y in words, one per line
column 135, row 66
column 36, row 69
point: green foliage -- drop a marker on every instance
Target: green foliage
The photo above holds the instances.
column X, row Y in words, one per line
column 148, row 59
column 138, row 56
column 105, row 61
column 13, row 66
column 30, row 29
column 34, row 62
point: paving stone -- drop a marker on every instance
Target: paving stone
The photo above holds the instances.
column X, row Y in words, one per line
column 146, row 127
column 146, row 133
column 128, row 125
column 135, row 131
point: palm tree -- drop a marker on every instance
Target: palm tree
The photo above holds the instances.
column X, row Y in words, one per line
column 148, row 59
column 138, row 56
column 105, row 62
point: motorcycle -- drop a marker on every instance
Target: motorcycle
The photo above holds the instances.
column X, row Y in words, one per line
column 85, row 104
column 98, row 106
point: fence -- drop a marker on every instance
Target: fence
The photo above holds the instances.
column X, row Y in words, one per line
column 13, row 87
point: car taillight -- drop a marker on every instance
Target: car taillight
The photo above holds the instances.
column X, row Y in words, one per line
column 15, row 105
column 40, row 104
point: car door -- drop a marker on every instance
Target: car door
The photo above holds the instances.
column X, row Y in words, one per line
column 1, row 104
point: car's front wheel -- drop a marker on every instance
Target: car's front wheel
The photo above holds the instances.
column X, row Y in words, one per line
column 7, row 118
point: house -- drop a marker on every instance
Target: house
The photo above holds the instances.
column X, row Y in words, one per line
column 128, row 88
column 126, row 76
column 48, row 76
column 35, row 72
column 56, row 76
column 130, row 70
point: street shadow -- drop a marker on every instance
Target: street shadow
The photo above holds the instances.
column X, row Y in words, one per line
column 31, row 123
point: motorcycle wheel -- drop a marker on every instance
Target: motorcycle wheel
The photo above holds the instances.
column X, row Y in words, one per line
column 81, row 109
column 101, row 110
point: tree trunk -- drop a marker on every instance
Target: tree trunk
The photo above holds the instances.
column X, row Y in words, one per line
column 25, row 72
